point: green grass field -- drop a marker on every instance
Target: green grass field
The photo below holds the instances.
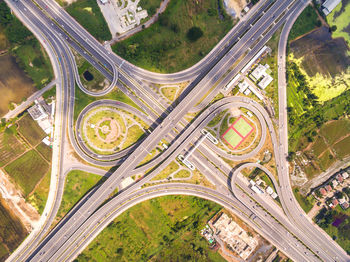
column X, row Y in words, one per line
column 10, row 146
column 168, row 170
column 217, row 119
column 161, row 229
column 319, row 146
column 182, row 174
column 39, row 196
column 232, row 138
column 305, row 203
column 45, row 151
column 333, row 131
column 165, row 47
column 88, row 14
column 133, row 135
column 77, row 184
column 98, row 82
column 27, row 170
column 342, row 148
column 31, row 131
column 242, row 127
column 340, row 18
column 306, row 22
column 294, row 97
column 326, row 160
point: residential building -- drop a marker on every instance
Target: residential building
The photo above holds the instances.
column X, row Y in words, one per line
column 265, row 81
column 339, row 178
column 258, row 72
column 345, row 175
column 328, row 188
column 323, row 191
column 334, row 203
column 334, row 183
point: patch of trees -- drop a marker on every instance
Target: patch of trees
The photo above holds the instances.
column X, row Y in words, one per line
column 194, row 33
column 15, row 31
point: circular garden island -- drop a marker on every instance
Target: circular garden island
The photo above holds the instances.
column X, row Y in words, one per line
column 107, row 129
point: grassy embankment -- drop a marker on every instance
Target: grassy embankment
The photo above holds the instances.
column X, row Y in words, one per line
column 165, row 228
column 88, row 14
column 166, row 47
column 77, row 184
column 82, row 100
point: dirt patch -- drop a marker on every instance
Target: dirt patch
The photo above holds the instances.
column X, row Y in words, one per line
column 23, row 210
column 235, row 7
column 321, row 53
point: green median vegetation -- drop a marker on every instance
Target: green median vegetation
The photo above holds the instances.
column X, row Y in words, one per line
column 77, row 184
column 183, row 35
column 161, row 229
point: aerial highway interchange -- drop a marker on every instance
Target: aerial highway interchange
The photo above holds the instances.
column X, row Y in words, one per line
column 286, row 226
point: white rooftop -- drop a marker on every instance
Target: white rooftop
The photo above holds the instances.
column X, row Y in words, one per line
column 258, row 72
column 329, row 5
column 265, row 81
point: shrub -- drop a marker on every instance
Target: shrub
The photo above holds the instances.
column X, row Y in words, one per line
column 194, row 33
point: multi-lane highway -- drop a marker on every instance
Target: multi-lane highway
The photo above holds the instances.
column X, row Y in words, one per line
column 290, row 231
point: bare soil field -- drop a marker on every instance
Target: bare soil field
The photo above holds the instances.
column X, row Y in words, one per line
column 14, row 84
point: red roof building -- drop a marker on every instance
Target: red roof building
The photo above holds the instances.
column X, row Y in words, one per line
column 340, row 178
column 323, row 191
column 328, row 188
column 335, row 203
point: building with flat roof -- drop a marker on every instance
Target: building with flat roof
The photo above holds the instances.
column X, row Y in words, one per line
column 265, row 81
column 258, row 72
column 329, row 5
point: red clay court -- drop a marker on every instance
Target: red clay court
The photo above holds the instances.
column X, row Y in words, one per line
column 238, row 132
